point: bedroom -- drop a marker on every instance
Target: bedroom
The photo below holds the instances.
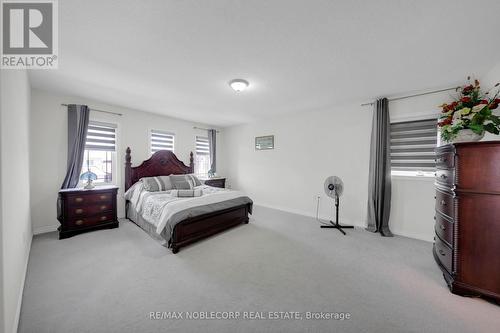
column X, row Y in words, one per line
column 151, row 74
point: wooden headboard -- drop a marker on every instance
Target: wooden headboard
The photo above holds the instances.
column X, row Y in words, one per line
column 161, row 163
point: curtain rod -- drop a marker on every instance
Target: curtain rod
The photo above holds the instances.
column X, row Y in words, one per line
column 415, row 95
column 97, row 110
column 204, row 129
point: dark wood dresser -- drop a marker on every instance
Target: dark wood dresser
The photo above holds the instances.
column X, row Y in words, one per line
column 467, row 241
column 216, row 182
column 80, row 210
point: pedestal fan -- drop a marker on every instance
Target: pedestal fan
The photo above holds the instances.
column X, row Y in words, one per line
column 334, row 188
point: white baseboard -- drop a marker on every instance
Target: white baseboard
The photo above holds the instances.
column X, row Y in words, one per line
column 21, row 292
column 45, row 229
column 308, row 214
column 423, row 237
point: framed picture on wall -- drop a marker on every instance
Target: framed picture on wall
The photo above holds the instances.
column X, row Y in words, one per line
column 264, row 142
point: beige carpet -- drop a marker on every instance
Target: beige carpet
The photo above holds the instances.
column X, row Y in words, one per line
column 110, row 281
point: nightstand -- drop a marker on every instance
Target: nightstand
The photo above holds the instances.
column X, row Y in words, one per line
column 80, row 210
column 216, row 182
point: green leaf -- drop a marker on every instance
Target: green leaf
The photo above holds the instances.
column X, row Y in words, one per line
column 479, row 118
column 491, row 128
column 477, row 128
column 495, row 119
column 485, row 111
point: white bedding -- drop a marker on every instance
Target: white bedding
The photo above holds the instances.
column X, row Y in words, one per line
column 158, row 208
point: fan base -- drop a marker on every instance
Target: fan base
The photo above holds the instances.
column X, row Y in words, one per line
column 339, row 227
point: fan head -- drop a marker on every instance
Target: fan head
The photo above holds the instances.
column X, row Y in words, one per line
column 334, row 186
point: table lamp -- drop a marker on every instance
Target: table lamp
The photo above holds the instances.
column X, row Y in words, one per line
column 89, row 176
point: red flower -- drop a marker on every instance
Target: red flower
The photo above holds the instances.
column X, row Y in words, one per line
column 465, row 99
column 447, row 121
column 494, row 105
column 483, row 101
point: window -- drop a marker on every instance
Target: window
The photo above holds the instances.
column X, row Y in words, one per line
column 100, row 151
column 412, row 147
column 162, row 141
column 202, row 163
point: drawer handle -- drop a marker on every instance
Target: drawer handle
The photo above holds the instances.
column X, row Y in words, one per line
column 103, row 218
column 79, row 199
column 443, row 176
column 103, row 207
column 442, row 227
column 79, row 222
column 103, row 197
column 78, row 211
column 443, row 203
column 441, row 252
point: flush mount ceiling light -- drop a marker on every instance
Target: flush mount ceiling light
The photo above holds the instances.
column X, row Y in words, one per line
column 238, row 84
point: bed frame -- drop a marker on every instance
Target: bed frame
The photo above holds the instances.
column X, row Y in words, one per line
column 164, row 163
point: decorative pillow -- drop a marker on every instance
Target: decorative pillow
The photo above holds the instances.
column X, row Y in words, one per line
column 198, row 192
column 181, row 182
column 155, row 184
column 194, row 180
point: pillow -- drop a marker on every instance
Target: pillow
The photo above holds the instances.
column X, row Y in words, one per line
column 181, row 182
column 198, row 192
column 155, row 184
column 194, row 180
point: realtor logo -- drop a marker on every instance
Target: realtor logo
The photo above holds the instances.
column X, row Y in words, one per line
column 29, row 34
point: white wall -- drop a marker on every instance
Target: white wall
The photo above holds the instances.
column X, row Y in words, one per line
column 309, row 147
column 15, row 187
column 49, row 147
column 489, row 80
column 492, row 77
column 313, row 145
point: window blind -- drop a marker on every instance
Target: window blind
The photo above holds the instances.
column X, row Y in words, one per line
column 162, row 141
column 202, row 147
column 413, row 144
column 101, row 136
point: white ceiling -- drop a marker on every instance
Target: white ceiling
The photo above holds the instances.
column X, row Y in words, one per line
column 175, row 57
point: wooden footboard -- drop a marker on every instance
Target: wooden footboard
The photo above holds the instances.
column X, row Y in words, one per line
column 199, row 227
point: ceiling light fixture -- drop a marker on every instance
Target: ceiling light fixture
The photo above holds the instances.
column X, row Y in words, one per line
column 238, row 84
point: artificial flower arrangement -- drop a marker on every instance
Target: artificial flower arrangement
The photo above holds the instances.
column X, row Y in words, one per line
column 472, row 111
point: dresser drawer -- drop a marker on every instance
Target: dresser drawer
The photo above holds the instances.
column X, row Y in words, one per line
column 85, row 199
column 91, row 220
column 444, row 229
column 445, row 204
column 81, row 210
column 86, row 210
column 444, row 254
column 445, row 160
column 445, row 177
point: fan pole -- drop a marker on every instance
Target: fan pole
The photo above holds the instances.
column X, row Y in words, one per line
column 336, row 225
column 337, row 204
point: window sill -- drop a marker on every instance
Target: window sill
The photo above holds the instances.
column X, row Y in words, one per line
column 414, row 177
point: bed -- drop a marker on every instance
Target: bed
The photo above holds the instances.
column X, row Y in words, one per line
column 177, row 222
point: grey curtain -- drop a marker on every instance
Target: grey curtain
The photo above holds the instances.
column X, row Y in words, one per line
column 78, row 122
column 379, row 187
column 212, row 145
